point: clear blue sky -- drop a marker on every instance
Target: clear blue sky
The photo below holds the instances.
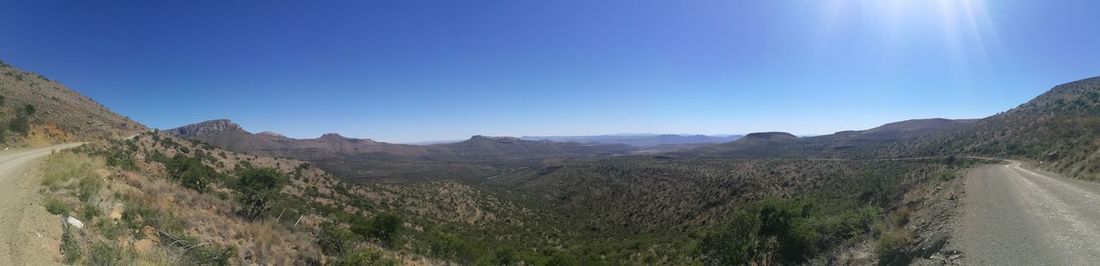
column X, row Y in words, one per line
column 414, row 70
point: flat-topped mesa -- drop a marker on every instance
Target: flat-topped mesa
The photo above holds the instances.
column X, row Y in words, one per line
column 505, row 139
column 772, row 136
column 206, row 127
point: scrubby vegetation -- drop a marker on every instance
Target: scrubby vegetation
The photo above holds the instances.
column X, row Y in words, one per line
column 258, row 188
column 113, row 214
column 1056, row 130
column 784, row 232
column 185, row 202
column 170, row 201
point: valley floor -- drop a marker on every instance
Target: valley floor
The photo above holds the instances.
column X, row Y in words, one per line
column 1016, row 216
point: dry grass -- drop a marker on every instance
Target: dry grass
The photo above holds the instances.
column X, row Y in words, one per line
column 61, row 167
column 113, row 212
column 119, row 204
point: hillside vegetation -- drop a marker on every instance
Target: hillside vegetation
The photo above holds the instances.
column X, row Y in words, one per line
column 35, row 110
column 159, row 200
column 1058, row 130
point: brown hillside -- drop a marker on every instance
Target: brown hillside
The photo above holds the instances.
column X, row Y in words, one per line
column 59, row 113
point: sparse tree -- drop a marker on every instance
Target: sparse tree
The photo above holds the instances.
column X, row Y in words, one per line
column 28, row 110
column 258, row 187
column 20, row 125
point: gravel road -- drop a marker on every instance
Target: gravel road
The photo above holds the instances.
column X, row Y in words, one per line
column 1016, row 216
column 27, row 231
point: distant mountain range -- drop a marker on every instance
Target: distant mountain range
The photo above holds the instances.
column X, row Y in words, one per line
column 642, row 140
column 226, row 133
column 369, row 160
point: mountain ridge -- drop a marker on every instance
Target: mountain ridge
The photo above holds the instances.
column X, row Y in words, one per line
column 366, row 160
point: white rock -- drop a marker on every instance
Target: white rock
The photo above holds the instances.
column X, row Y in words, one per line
column 75, row 222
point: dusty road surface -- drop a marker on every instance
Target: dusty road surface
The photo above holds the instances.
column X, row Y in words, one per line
column 25, row 228
column 1016, row 216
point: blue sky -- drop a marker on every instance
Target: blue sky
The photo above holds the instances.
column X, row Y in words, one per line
column 416, row 70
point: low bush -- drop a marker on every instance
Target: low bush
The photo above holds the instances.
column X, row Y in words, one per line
column 90, row 212
column 70, row 249
column 335, row 241
column 20, row 124
column 892, row 247
column 28, row 110
column 103, row 253
column 775, row 231
column 190, row 172
column 258, row 187
column 55, row 206
column 88, row 187
column 384, row 227
column 120, row 156
column 364, row 257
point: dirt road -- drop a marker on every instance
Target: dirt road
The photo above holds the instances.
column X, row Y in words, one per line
column 1016, row 216
column 26, row 230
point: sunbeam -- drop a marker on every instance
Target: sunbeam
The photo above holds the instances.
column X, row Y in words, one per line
column 961, row 28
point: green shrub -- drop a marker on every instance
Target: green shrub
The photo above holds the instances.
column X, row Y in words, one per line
column 335, row 241
column 20, row 124
column 88, row 187
column 892, row 247
column 91, row 211
column 259, row 187
column 190, row 172
column 384, row 227
column 103, row 253
column 56, row 206
column 364, row 257
column 210, row 254
column 453, row 247
column 112, row 231
column 70, row 249
column 28, row 110
column 782, row 232
column 121, row 157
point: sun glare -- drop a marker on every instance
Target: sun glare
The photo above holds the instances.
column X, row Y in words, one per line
column 963, row 27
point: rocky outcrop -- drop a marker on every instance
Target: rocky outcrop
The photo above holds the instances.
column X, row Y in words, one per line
column 206, row 128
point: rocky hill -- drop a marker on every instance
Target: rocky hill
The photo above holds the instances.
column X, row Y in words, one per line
column 229, row 135
column 35, row 110
column 1058, row 129
column 907, row 129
